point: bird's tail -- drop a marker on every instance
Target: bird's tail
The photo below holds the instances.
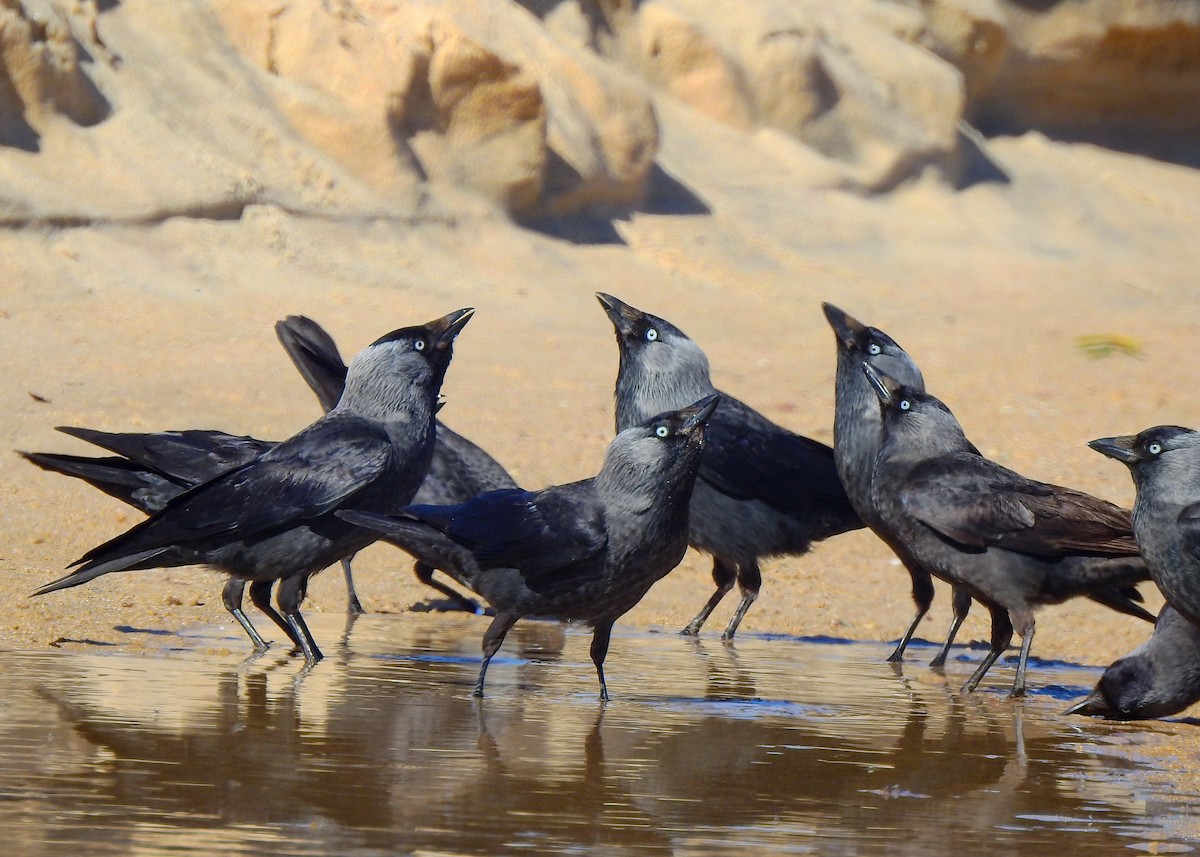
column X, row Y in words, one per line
column 1125, row 600
column 118, row 477
column 1111, row 581
column 93, row 570
column 316, row 357
column 425, row 543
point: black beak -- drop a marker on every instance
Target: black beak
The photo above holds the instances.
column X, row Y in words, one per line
column 885, row 387
column 443, row 330
column 696, row 415
column 621, row 314
column 846, row 328
column 1120, row 448
column 1093, row 705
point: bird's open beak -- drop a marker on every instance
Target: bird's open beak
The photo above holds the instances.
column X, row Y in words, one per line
column 621, row 314
column 1093, row 705
column 696, row 415
column 1120, row 448
column 884, row 385
column 443, row 330
column 845, row 327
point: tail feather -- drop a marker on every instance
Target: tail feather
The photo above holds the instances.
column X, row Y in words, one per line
column 316, row 357
column 1123, row 601
column 93, row 570
column 118, row 477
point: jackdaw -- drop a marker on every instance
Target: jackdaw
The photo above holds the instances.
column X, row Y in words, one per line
column 273, row 518
column 1013, row 543
column 587, row 550
column 1159, row 678
column 761, row 490
column 857, row 435
column 1165, row 464
column 459, row 471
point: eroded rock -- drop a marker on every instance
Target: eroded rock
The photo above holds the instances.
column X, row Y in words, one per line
column 479, row 96
column 41, row 74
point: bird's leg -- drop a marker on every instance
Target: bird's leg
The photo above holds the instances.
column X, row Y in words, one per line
column 353, row 605
column 962, row 606
column 1002, row 631
column 288, row 596
column 750, row 582
column 724, row 576
column 922, row 594
column 424, row 573
column 1025, row 629
column 260, row 594
column 232, row 596
column 493, row 637
column 600, row 637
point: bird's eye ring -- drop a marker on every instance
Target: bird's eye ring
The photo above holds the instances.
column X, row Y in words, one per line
column 419, row 345
column 651, row 334
column 873, row 349
column 662, row 431
column 905, row 405
column 1154, row 448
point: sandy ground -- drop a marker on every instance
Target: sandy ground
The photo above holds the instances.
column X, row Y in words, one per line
column 170, row 326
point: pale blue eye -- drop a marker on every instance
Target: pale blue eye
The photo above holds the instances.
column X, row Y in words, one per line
column 651, row 334
column 662, row 431
column 419, row 345
column 873, row 349
column 905, row 405
column 1155, row 448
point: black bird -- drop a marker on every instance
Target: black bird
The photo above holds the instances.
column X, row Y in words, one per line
column 761, row 491
column 190, row 458
column 1159, row 678
column 857, row 436
column 588, row 550
column 459, row 471
column 273, row 518
column 1012, row 542
column 1165, row 464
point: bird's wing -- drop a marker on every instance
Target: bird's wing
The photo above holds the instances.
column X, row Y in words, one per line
column 979, row 503
column 748, row 457
column 302, row 478
column 540, row 533
column 316, row 356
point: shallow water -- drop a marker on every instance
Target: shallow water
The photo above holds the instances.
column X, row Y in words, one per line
column 775, row 745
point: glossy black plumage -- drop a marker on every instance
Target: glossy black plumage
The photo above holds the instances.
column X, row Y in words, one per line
column 1014, row 543
column 458, row 471
column 271, row 519
column 762, row 490
column 588, row 550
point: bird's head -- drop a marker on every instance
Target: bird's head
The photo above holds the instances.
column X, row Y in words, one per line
column 1145, row 451
column 873, row 347
column 662, row 453
column 652, row 347
column 408, row 357
column 914, row 417
column 1126, row 691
